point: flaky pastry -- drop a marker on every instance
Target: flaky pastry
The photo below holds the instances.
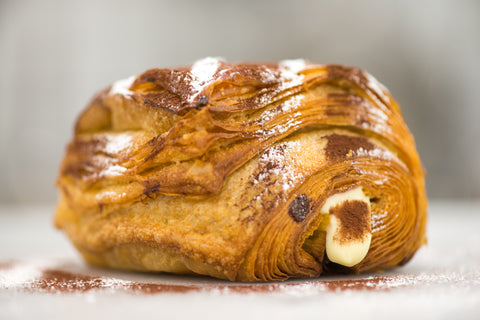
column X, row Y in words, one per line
column 246, row 172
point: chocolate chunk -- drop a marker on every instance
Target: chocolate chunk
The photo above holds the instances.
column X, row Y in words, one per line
column 201, row 102
column 299, row 208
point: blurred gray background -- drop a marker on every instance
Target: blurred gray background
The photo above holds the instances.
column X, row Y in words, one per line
column 54, row 55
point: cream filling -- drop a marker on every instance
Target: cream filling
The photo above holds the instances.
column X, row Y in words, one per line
column 347, row 252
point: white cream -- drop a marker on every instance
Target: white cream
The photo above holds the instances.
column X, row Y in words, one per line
column 339, row 250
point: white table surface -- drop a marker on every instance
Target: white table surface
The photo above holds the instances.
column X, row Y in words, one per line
column 441, row 282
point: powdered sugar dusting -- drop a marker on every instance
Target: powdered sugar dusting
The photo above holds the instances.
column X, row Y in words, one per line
column 289, row 72
column 378, row 153
column 19, row 274
column 377, row 220
column 277, row 164
column 118, row 143
column 282, row 128
column 377, row 87
column 381, row 124
column 285, row 108
column 122, row 87
column 115, row 196
column 201, row 74
column 114, row 170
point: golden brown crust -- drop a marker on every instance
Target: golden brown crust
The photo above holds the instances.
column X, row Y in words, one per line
column 221, row 169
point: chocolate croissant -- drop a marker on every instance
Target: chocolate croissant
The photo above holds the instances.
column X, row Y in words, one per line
column 246, row 172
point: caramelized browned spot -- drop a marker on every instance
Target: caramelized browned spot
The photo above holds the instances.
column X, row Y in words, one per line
column 338, row 146
column 354, row 220
column 299, row 208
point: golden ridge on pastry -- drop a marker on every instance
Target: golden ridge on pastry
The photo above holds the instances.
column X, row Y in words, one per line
column 247, row 172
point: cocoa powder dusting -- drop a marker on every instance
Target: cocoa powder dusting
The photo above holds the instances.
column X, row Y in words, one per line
column 354, row 219
column 60, row 281
column 339, row 146
column 53, row 281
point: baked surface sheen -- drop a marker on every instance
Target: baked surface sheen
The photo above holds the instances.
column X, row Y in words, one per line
column 221, row 169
